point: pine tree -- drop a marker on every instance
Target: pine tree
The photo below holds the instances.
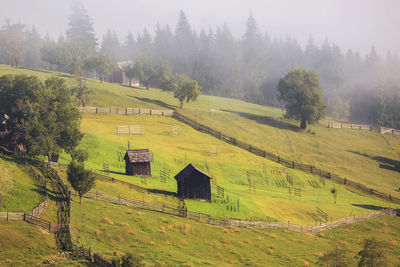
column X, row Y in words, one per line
column 80, row 29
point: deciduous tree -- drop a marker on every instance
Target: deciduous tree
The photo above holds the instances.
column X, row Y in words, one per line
column 81, row 180
column 301, row 92
column 187, row 89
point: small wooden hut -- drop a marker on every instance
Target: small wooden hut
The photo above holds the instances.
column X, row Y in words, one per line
column 137, row 162
column 193, row 183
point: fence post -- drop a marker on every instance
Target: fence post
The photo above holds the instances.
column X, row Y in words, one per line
column 151, row 112
column 50, row 227
column 7, row 215
column 126, row 111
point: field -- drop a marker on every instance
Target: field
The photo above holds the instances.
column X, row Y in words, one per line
column 361, row 156
column 273, row 198
column 161, row 239
column 18, row 190
column 166, row 240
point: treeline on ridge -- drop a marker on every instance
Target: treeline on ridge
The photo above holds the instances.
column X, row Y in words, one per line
column 359, row 88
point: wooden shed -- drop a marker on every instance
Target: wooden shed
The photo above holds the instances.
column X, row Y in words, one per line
column 137, row 162
column 193, row 183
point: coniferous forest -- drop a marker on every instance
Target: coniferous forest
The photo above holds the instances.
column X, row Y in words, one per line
column 356, row 87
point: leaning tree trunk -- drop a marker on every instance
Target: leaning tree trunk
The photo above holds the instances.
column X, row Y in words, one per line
column 80, row 199
column 130, row 82
column 181, row 103
column 303, row 124
column 102, row 78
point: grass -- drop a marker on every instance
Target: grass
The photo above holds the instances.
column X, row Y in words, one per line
column 18, row 190
column 361, row 156
column 271, row 201
column 22, row 244
column 163, row 240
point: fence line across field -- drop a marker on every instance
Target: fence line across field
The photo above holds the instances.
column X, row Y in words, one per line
column 287, row 163
column 130, row 129
column 125, row 110
column 206, row 218
column 341, row 125
column 384, row 130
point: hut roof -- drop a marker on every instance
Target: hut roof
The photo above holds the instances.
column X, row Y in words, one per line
column 138, row 155
column 188, row 170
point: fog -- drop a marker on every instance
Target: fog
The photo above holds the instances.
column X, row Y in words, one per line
column 355, row 24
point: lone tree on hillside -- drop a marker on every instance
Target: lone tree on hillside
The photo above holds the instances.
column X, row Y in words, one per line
column 187, row 89
column 301, row 91
column 81, row 180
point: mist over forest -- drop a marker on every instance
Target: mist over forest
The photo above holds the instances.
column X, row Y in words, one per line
column 361, row 87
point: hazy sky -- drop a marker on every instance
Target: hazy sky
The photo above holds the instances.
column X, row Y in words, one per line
column 357, row 24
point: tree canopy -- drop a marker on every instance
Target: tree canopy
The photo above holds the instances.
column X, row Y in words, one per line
column 81, row 180
column 301, row 92
column 186, row 90
column 43, row 117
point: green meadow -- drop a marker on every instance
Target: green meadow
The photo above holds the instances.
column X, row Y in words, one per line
column 273, row 198
column 361, row 156
column 164, row 240
column 18, row 190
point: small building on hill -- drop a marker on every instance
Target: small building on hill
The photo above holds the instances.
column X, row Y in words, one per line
column 3, row 123
column 137, row 162
column 193, row 183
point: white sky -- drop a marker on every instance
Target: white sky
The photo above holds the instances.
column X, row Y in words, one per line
column 357, row 24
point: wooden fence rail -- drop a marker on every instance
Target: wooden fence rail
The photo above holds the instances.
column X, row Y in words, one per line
column 125, row 110
column 384, row 130
column 342, row 125
column 223, row 221
column 288, row 163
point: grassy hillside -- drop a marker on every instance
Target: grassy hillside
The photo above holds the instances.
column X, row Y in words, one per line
column 22, row 244
column 362, row 156
column 166, row 240
column 18, row 190
column 271, row 200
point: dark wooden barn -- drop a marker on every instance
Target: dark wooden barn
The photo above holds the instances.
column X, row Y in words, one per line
column 193, row 183
column 137, row 162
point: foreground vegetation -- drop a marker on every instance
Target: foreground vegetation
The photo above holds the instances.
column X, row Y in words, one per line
column 166, row 240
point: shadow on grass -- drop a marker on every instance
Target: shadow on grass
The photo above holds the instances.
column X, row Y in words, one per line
column 114, row 172
column 133, row 87
column 273, row 122
column 368, row 207
column 50, row 193
column 384, row 163
column 153, row 101
column 162, row 192
column 36, row 70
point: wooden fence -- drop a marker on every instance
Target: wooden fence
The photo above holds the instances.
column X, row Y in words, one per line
column 125, row 110
column 384, row 130
column 341, row 125
column 206, row 218
column 288, row 163
column 130, row 129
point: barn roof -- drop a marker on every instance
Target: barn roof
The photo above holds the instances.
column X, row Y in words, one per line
column 188, row 170
column 138, row 155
